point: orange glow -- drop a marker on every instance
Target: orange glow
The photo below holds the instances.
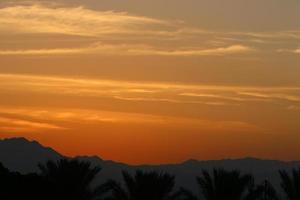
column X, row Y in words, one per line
column 137, row 83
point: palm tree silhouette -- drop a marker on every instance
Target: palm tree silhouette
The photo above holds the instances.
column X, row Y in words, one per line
column 3, row 170
column 143, row 186
column 5, row 182
column 263, row 191
column 290, row 184
column 15, row 186
column 222, row 185
column 70, row 179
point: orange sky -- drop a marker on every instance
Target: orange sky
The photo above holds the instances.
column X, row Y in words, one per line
column 152, row 82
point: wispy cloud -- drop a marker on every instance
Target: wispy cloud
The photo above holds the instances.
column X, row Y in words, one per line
column 156, row 93
column 293, row 108
column 173, row 100
column 234, row 49
column 274, row 96
column 132, row 50
column 128, row 34
column 108, row 26
column 214, row 95
column 217, row 96
column 37, row 18
column 269, row 35
column 20, row 125
column 293, row 51
column 41, row 52
column 297, row 51
column 69, row 117
column 73, row 116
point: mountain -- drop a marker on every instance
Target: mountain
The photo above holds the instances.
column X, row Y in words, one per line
column 20, row 154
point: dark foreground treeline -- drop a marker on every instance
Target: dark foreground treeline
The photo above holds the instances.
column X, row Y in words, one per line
column 73, row 180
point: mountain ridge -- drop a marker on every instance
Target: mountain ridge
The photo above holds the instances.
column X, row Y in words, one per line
column 95, row 157
column 23, row 155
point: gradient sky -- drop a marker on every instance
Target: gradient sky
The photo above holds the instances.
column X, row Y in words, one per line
column 153, row 81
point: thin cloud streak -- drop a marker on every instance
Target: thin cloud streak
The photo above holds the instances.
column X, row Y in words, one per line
column 36, row 52
column 213, row 96
column 135, row 91
column 297, row 51
column 121, row 27
column 70, row 116
column 292, row 51
column 287, row 97
column 151, row 99
column 71, row 20
column 129, row 50
column 21, row 125
column 48, row 18
column 234, row 49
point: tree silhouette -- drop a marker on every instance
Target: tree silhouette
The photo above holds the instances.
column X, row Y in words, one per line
column 70, row 179
column 263, row 191
column 143, row 186
column 290, row 184
column 15, row 186
column 222, row 185
column 5, row 182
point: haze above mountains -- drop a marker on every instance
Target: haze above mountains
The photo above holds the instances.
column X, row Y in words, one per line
column 22, row 155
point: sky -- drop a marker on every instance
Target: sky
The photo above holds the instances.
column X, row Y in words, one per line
column 152, row 82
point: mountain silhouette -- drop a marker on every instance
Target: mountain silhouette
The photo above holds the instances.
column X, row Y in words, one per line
column 22, row 155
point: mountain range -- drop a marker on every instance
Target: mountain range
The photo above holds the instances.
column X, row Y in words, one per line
column 22, row 155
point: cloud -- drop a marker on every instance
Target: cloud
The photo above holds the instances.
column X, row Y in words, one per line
column 81, row 21
column 129, row 50
column 122, row 33
column 34, row 17
column 293, row 108
column 171, row 100
column 269, row 35
column 130, row 93
column 69, row 117
column 234, row 49
column 20, row 125
column 213, row 95
column 120, row 30
column 294, row 51
column 255, row 94
column 146, row 99
column 297, row 51
column 32, row 52
column 217, row 96
column 273, row 96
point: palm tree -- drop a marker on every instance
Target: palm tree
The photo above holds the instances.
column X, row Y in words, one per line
column 229, row 185
column 70, row 179
column 5, row 182
column 222, row 185
column 143, row 186
column 3, row 170
column 263, row 191
column 290, row 184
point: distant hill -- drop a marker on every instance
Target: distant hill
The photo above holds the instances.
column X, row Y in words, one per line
column 20, row 154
